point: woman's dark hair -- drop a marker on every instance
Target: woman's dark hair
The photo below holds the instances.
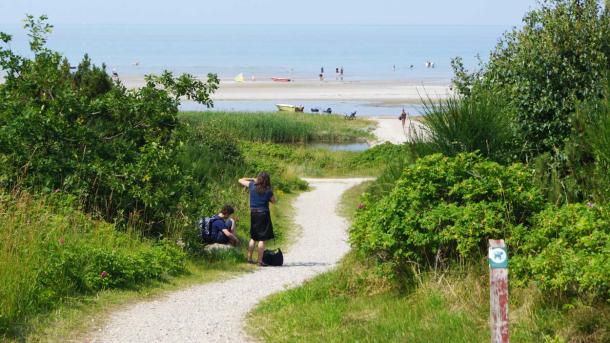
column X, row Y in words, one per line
column 262, row 183
column 227, row 210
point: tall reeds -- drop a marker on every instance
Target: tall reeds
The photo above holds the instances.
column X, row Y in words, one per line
column 476, row 123
column 284, row 127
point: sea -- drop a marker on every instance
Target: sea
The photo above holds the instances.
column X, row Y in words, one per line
column 364, row 52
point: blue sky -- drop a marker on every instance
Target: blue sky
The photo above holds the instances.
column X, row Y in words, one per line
column 460, row 12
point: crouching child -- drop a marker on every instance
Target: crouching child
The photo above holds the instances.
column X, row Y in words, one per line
column 223, row 227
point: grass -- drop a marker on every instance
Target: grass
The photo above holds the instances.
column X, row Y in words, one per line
column 350, row 199
column 355, row 303
column 73, row 316
column 51, row 252
column 76, row 317
column 284, row 127
column 70, row 314
column 303, row 161
column 351, row 304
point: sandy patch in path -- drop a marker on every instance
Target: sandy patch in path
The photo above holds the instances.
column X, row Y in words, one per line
column 215, row 312
column 391, row 130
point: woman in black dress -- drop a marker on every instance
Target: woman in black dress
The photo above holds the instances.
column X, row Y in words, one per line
column 261, row 228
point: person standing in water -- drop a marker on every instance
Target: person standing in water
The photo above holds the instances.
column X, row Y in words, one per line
column 261, row 228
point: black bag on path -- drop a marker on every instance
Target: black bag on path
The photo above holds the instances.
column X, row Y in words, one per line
column 273, row 258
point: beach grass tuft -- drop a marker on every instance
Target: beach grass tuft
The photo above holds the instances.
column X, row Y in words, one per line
column 478, row 123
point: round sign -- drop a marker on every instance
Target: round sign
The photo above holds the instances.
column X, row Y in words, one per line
column 497, row 255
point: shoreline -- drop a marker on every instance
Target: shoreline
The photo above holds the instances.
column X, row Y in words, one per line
column 382, row 92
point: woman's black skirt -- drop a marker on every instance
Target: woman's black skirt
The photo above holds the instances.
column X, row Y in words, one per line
column 261, row 228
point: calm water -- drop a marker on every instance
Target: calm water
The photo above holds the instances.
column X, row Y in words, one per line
column 365, row 52
column 338, row 107
column 342, row 147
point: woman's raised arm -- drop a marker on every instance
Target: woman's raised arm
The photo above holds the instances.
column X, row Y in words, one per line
column 245, row 181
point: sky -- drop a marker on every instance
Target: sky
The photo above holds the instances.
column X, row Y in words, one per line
column 369, row 12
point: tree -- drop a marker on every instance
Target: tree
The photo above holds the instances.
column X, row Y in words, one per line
column 558, row 58
column 85, row 134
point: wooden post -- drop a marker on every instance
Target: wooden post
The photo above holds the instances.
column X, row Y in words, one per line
column 498, row 291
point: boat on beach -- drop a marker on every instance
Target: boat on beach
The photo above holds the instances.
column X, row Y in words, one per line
column 289, row 108
column 281, row 79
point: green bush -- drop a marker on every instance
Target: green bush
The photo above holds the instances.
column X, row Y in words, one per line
column 384, row 153
column 207, row 158
column 592, row 133
column 566, row 250
column 80, row 132
column 445, row 207
column 578, row 171
column 392, row 158
column 557, row 58
column 50, row 252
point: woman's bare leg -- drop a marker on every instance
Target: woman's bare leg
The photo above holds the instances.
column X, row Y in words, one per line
column 250, row 249
column 261, row 251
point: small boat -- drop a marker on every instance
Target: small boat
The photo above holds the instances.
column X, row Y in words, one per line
column 281, row 79
column 289, row 108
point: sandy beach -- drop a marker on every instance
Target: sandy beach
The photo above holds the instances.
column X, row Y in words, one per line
column 381, row 92
column 391, row 130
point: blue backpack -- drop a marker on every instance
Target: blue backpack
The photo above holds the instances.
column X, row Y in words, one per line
column 205, row 229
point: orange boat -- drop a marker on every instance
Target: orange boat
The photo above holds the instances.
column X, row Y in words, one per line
column 281, row 79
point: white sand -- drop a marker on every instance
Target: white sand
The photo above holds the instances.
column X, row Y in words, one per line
column 391, row 130
column 216, row 312
column 387, row 92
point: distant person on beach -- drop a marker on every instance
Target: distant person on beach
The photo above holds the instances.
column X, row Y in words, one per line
column 321, row 77
column 261, row 228
column 403, row 118
column 341, row 73
column 322, row 70
column 223, row 227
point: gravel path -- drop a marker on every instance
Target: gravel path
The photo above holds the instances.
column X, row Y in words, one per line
column 215, row 312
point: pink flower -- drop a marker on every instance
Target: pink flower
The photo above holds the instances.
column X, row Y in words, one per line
column 103, row 274
column 590, row 204
column 361, row 206
column 61, row 241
